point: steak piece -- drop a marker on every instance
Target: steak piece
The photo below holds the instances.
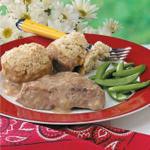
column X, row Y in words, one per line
column 62, row 92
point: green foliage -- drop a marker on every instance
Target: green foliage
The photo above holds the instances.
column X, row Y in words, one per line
column 133, row 15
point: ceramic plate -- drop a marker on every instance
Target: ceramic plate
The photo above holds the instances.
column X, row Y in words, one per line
column 112, row 110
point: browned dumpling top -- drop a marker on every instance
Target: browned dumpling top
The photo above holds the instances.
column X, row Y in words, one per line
column 26, row 63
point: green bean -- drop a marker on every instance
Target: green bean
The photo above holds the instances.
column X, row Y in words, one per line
column 138, row 69
column 119, row 96
column 120, row 66
column 129, row 67
column 115, row 82
column 109, row 72
column 101, row 69
column 129, row 87
column 135, row 81
column 127, row 64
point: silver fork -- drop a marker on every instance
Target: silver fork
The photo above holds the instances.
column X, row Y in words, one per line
column 119, row 53
column 116, row 53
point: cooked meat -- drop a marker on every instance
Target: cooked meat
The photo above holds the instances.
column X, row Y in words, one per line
column 68, row 51
column 26, row 63
column 62, row 92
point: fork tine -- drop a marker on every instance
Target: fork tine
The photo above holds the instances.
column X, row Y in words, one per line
column 117, row 58
column 120, row 53
column 122, row 58
column 117, row 50
column 121, row 49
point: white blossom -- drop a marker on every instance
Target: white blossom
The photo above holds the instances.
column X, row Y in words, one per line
column 66, row 27
column 64, row 13
column 90, row 29
column 85, row 8
column 109, row 27
column 54, row 13
column 8, row 31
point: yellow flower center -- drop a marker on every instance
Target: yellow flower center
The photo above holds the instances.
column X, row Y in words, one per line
column 25, row 16
column 27, row 2
column 64, row 17
column 82, row 12
column 7, row 32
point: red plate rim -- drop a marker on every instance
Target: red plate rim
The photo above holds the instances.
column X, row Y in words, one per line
column 140, row 100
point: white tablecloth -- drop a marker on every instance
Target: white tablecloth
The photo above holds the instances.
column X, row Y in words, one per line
column 139, row 121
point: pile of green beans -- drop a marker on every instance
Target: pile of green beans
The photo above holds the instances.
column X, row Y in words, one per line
column 120, row 81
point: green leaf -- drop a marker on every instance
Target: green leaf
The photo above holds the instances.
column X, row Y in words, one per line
column 3, row 10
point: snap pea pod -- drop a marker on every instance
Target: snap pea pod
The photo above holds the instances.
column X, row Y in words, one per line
column 109, row 72
column 101, row 69
column 129, row 87
column 119, row 96
column 129, row 67
column 120, row 66
column 138, row 69
column 129, row 64
column 115, row 82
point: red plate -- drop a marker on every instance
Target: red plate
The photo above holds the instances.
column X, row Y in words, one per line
column 140, row 100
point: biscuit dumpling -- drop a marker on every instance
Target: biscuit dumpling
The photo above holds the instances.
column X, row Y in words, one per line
column 68, row 51
column 26, row 63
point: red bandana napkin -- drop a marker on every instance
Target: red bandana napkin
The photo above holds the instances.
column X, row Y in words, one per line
column 19, row 135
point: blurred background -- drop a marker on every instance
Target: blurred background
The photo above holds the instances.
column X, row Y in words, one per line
column 133, row 15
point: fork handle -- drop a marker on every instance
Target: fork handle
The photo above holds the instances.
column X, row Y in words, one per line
column 42, row 30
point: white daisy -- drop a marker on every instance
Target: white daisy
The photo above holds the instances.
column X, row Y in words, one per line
column 25, row 2
column 80, row 26
column 64, row 13
column 85, row 9
column 66, row 27
column 16, row 10
column 90, row 29
column 49, row 3
column 109, row 27
column 35, row 11
column 8, row 31
column 63, row 17
column 5, row 1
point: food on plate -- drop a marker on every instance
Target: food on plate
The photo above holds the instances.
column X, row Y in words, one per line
column 102, row 49
column 98, row 51
column 10, row 88
column 68, row 52
column 121, row 80
column 26, row 63
column 138, row 69
column 117, row 81
column 119, row 96
column 101, row 69
column 62, row 92
column 129, row 87
column 109, row 72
